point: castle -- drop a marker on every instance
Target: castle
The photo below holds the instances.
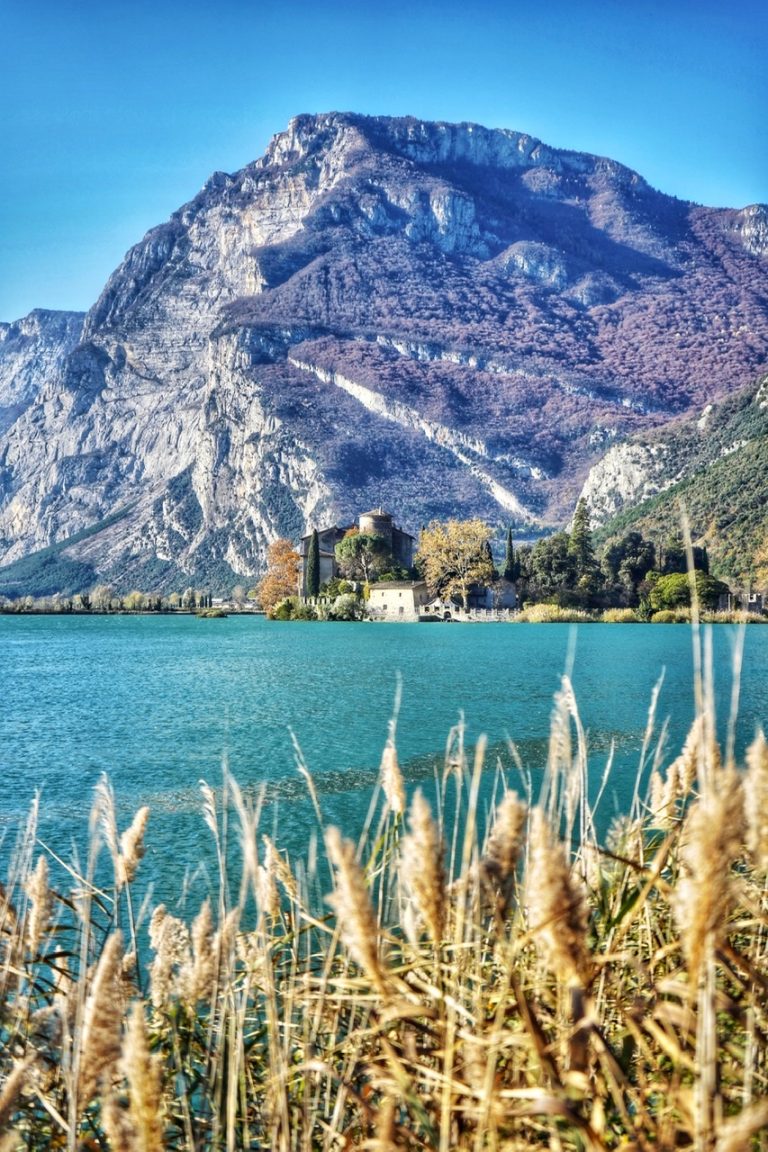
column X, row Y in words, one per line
column 375, row 523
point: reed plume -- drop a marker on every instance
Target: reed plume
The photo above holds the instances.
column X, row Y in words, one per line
column 104, row 821
column 198, row 970
column 422, row 870
column 39, row 910
column 267, row 895
column 169, row 938
column 688, row 764
column 392, row 778
column 713, row 839
column 131, row 847
column 142, row 1072
column 100, row 1034
column 557, row 911
column 756, row 802
column 351, row 903
column 498, row 865
column 280, row 869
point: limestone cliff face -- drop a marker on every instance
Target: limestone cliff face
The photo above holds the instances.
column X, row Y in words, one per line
column 444, row 319
column 32, row 352
column 751, row 225
column 627, row 475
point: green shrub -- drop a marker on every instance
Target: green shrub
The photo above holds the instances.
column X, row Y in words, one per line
column 346, row 607
column 674, row 591
column 332, row 588
column 284, row 609
column 292, row 608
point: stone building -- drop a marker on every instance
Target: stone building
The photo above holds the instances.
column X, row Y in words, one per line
column 398, row 599
column 375, row 523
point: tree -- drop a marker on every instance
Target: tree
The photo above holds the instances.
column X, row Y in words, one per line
column 362, row 556
column 626, row 563
column 510, row 571
column 551, row 566
column 313, row 565
column 453, row 556
column 101, row 597
column 489, row 557
column 282, row 574
column 674, row 591
column 673, row 558
column 580, row 545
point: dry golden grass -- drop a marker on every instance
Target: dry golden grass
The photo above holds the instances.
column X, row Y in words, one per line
column 428, row 988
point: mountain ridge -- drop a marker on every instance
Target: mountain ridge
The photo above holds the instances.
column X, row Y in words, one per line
column 439, row 318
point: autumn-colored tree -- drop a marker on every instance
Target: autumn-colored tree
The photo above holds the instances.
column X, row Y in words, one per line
column 453, row 556
column 281, row 578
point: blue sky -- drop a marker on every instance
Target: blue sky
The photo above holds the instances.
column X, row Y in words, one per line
column 114, row 113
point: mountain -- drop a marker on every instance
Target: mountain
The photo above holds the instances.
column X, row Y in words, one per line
column 442, row 319
column 713, row 465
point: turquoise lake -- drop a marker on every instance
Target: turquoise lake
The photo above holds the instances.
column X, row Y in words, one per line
column 156, row 702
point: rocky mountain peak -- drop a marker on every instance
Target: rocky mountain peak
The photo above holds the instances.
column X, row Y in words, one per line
column 440, row 318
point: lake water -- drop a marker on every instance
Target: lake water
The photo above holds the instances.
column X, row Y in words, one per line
column 157, row 701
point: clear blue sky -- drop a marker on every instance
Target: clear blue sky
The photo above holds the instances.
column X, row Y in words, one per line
column 113, row 113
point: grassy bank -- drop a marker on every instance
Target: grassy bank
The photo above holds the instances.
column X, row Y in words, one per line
column 495, row 983
column 554, row 614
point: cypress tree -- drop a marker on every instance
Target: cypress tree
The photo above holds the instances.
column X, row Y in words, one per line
column 580, row 546
column 509, row 558
column 313, row 565
column 489, row 557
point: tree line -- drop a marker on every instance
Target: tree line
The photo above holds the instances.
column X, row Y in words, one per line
column 455, row 557
column 631, row 572
column 104, row 599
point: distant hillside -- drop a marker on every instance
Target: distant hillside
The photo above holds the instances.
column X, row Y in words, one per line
column 439, row 318
column 717, row 468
